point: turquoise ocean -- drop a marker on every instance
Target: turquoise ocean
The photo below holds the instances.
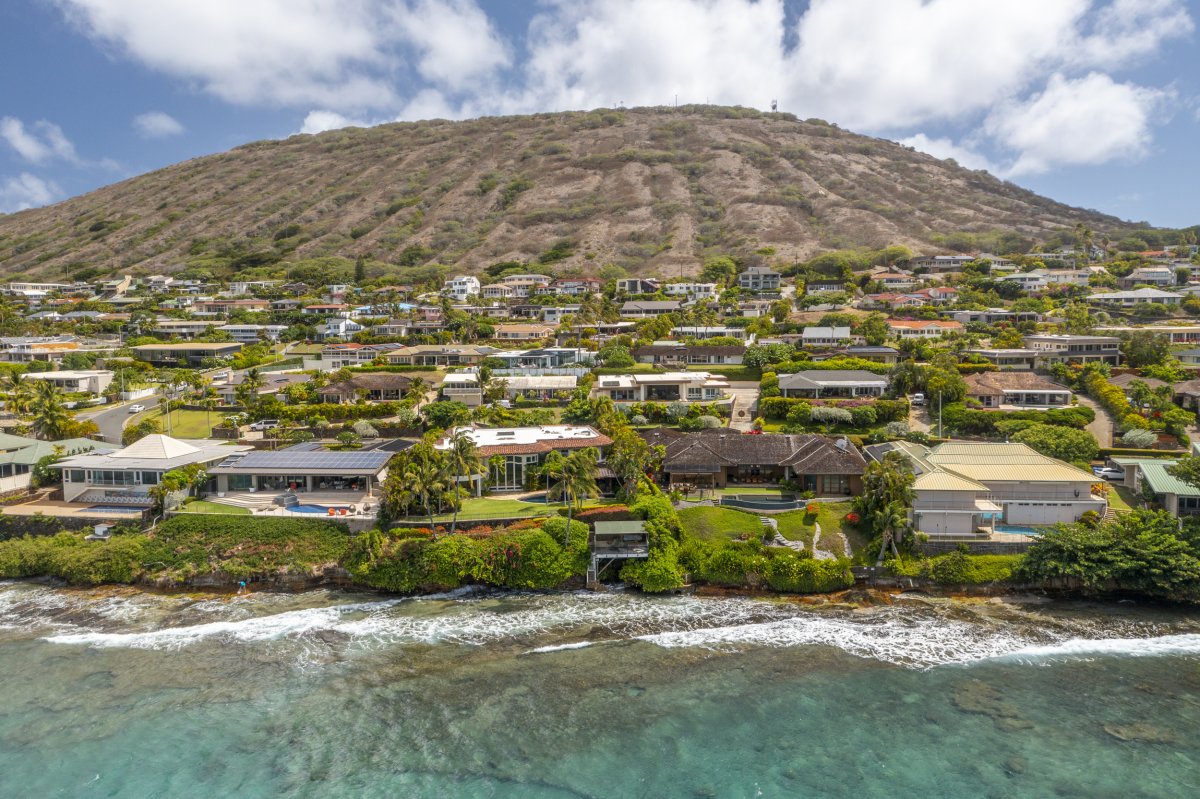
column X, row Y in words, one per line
column 120, row 693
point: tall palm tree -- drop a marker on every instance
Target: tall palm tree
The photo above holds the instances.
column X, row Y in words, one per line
column 463, row 460
column 50, row 420
column 209, row 404
column 890, row 521
column 416, row 391
column 576, row 477
column 19, row 392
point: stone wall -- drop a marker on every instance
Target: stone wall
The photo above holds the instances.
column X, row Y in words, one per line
column 976, row 547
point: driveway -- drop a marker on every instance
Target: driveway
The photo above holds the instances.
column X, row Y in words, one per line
column 745, row 405
column 918, row 418
column 1102, row 426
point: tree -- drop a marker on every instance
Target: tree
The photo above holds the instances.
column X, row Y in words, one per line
column 630, row 457
column 417, row 389
column 136, row 432
column 719, row 269
column 1063, row 443
column 447, row 414
column 246, row 392
column 1139, row 439
column 1078, row 319
column 463, row 460
column 615, row 356
column 874, row 329
column 209, row 404
column 1146, row 348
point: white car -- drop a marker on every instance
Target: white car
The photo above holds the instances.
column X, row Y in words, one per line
column 136, row 408
column 1108, row 473
column 917, row 399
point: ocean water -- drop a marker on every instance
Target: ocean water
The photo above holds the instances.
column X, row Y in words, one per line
column 117, row 693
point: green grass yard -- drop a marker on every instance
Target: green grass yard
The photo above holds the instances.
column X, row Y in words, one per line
column 800, row 525
column 183, row 424
column 200, row 506
column 711, row 523
column 1121, row 498
column 478, row 508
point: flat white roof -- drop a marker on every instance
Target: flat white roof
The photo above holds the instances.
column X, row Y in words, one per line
column 494, row 436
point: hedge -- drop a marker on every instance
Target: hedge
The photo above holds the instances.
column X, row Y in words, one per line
column 1114, row 401
column 957, row 416
column 333, row 411
column 1117, row 452
column 885, row 410
column 787, row 367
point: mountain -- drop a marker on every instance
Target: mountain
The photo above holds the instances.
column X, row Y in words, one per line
column 652, row 190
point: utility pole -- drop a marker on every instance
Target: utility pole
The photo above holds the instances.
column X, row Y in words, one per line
column 940, row 415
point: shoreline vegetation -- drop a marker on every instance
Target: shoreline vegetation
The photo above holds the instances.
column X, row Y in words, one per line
column 1147, row 556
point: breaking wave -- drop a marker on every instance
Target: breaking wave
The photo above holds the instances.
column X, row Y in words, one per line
column 909, row 634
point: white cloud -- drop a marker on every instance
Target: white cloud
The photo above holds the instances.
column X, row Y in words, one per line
column 455, row 40
column 338, row 54
column 946, row 148
column 1126, row 30
column 1089, row 120
column 26, row 191
column 156, row 125
column 38, row 144
column 321, row 121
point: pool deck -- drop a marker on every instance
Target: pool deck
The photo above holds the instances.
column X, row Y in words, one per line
column 67, row 509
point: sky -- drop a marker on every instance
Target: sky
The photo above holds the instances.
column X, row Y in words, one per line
column 1095, row 103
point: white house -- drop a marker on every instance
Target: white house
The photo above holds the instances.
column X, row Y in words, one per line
column 461, row 287
column 666, row 387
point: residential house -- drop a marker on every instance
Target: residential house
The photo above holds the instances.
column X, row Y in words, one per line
column 225, row 306
column 895, row 281
column 676, row 353
column 538, row 387
column 303, row 468
column 19, row 456
column 370, row 386
column 498, row 291
column 827, row 466
column 524, row 449
column 866, row 352
column 1008, row 359
column 823, row 337
column 941, row 264
column 918, row 328
column 1016, row 391
column 462, row 387
column 1065, row 348
column 440, row 355
column 328, row 309
column 183, row 328
column 75, row 381
column 645, row 309
column 666, row 387
column 963, row 489
column 27, row 349
column 252, row 334
column 125, row 476
column 1189, row 357
column 824, row 287
column 993, row 316
column 759, row 279
column 825, row 383
column 554, row 314
column 338, row 328
column 272, row 385
column 522, row 332
column 709, row 331
column 193, row 354
column 577, row 286
column 1175, row 334
column 461, row 287
column 543, row 358
column 1127, row 299
column 1158, row 276
column 637, row 285
column 701, row 292
column 1177, row 497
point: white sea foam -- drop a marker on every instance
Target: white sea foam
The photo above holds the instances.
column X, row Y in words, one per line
column 560, row 647
column 1082, row 648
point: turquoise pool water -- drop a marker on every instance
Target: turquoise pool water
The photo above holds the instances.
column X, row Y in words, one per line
column 1018, row 529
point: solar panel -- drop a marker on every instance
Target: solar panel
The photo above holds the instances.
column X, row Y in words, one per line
column 323, row 459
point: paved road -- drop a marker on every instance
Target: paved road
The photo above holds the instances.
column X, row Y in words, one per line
column 112, row 418
column 1102, row 426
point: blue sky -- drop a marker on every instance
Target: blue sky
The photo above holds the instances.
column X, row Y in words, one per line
column 1091, row 102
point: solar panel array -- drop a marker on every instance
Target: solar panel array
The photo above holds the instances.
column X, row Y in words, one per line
column 290, row 459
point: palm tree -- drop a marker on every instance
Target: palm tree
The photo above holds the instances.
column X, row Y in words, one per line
column 20, row 393
column 416, row 391
column 209, row 403
column 890, row 521
column 50, row 421
column 576, row 476
column 247, row 390
column 463, row 460
column 427, row 475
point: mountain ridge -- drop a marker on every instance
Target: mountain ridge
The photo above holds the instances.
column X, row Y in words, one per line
column 651, row 190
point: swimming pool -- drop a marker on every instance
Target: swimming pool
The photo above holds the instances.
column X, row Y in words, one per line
column 539, row 498
column 322, row 509
column 116, row 509
column 1018, row 529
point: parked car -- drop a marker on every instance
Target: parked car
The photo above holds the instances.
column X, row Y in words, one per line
column 220, row 376
column 917, row 399
column 136, row 408
column 265, row 424
column 1108, row 472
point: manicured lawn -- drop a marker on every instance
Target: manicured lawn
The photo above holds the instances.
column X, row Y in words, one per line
column 738, row 373
column 797, row 525
column 501, row 508
column 184, row 424
column 1121, row 498
column 200, row 506
column 711, row 523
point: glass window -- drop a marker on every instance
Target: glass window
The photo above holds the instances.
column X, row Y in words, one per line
column 76, row 476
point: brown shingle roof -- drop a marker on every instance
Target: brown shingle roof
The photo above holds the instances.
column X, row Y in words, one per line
column 996, row 382
column 807, row 453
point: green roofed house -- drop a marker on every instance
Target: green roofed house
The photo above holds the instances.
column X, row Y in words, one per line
column 18, row 456
column 1174, row 495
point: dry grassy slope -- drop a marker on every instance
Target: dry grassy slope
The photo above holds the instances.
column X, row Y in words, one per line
column 650, row 189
